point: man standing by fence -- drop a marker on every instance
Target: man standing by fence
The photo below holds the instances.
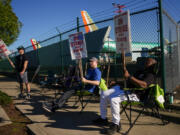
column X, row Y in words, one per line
column 21, row 64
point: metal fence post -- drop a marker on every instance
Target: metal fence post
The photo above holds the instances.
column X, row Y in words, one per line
column 77, row 24
column 162, row 46
column 178, row 47
column 61, row 48
column 62, row 61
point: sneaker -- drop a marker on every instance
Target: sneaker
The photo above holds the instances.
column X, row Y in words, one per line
column 101, row 121
column 21, row 95
column 113, row 128
column 49, row 107
column 28, row 96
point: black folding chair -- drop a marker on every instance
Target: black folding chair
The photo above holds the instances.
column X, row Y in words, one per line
column 48, row 83
column 149, row 101
column 85, row 97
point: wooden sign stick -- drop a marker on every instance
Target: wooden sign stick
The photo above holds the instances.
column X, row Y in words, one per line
column 124, row 66
column 108, row 71
column 10, row 61
column 80, row 68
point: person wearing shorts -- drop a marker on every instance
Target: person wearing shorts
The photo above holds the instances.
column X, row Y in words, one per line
column 21, row 64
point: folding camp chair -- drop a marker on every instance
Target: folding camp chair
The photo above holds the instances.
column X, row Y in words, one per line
column 75, row 87
column 67, row 84
column 84, row 97
column 84, row 93
column 153, row 98
column 48, row 83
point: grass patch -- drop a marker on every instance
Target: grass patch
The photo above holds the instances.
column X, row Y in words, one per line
column 5, row 99
column 19, row 121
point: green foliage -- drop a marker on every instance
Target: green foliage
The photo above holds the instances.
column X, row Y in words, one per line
column 4, row 99
column 9, row 23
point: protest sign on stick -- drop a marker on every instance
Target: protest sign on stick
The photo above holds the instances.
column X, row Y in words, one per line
column 4, row 52
column 122, row 32
column 78, row 49
column 123, row 35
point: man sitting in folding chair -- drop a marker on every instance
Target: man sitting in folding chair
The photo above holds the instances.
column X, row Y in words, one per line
column 116, row 95
column 91, row 80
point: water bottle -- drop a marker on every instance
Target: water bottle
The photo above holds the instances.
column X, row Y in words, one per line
column 171, row 98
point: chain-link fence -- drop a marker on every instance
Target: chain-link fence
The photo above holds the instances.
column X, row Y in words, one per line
column 145, row 33
column 172, row 52
column 55, row 55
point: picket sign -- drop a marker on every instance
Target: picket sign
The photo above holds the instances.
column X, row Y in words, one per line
column 78, row 49
column 122, row 32
column 4, row 52
column 123, row 36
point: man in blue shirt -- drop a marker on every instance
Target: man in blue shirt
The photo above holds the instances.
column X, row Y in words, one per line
column 93, row 76
column 92, row 80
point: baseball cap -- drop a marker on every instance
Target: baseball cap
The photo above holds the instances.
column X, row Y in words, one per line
column 20, row 47
column 93, row 59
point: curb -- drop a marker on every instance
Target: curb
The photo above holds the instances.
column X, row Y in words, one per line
column 4, row 118
column 36, row 130
column 33, row 128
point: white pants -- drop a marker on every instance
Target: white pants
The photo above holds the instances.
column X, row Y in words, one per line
column 113, row 96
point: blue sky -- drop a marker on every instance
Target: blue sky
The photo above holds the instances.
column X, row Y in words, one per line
column 42, row 16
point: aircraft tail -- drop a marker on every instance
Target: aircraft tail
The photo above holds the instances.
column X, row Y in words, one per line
column 88, row 20
column 35, row 44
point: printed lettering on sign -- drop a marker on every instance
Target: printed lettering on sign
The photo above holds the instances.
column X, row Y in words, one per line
column 3, row 49
column 122, row 32
column 77, row 46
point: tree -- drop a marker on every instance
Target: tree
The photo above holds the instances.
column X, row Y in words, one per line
column 9, row 23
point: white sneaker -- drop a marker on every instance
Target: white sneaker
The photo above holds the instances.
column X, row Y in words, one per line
column 47, row 106
column 28, row 96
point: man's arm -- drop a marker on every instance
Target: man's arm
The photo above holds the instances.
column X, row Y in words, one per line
column 96, row 80
column 136, row 81
column 24, row 67
column 90, row 82
column 12, row 64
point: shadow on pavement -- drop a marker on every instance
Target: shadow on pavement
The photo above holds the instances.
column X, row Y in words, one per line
column 65, row 118
column 72, row 119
